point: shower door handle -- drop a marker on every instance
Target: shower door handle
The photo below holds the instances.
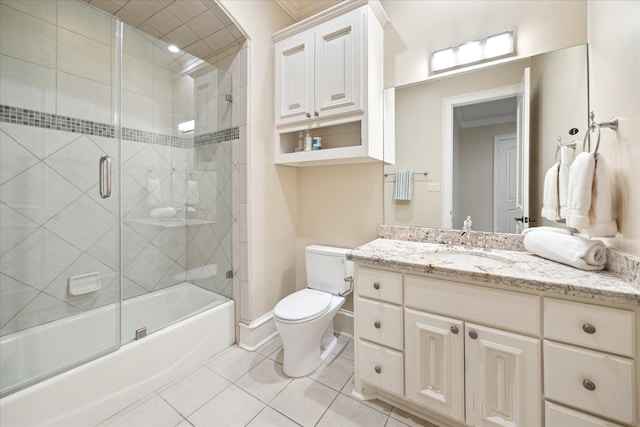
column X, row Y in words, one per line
column 105, row 176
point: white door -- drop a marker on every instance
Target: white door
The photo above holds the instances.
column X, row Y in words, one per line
column 295, row 78
column 339, row 61
column 505, row 167
column 522, row 197
column 503, row 384
column 434, row 362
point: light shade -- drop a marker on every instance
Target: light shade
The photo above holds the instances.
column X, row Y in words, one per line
column 473, row 51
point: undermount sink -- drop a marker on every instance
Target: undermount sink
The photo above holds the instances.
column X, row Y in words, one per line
column 471, row 259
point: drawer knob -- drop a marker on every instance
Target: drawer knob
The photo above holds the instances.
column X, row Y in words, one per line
column 454, row 330
column 377, row 324
column 589, row 328
column 378, row 369
column 588, row 384
column 473, row 334
column 376, row 285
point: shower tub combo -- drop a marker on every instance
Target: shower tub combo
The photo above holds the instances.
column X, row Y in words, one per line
column 201, row 324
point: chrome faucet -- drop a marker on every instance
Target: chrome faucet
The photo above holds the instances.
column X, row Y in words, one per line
column 466, row 232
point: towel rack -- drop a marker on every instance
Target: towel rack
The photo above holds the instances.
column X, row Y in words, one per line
column 594, row 126
column 415, row 173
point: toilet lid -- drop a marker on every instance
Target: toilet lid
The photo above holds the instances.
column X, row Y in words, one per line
column 302, row 305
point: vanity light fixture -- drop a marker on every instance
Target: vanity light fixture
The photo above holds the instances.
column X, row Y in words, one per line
column 497, row 45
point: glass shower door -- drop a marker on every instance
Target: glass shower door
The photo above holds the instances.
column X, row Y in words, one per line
column 59, row 227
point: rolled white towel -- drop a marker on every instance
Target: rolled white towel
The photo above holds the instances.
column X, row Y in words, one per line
column 567, row 249
column 562, row 230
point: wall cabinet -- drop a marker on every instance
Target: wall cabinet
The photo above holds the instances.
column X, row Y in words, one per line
column 320, row 71
column 466, row 354
column 328, row 75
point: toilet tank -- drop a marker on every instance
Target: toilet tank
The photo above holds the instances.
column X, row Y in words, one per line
column 327, row 268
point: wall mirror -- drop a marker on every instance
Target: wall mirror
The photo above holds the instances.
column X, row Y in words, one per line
column 464, row 137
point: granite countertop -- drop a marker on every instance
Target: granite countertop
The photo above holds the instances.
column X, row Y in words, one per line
column 520, row 269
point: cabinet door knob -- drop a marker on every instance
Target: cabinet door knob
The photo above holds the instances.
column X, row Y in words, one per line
column 588, row 384
column 473, row 334
column 377, row 324
column 376, row 285
column 315, row 113
column 454, row 330
column 589, row 328
column 378, row 369
column 308, row 115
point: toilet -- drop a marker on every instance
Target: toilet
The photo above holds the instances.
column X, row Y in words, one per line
column 304, row 319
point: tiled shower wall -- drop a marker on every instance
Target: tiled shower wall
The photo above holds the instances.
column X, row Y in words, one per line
column 56, row 65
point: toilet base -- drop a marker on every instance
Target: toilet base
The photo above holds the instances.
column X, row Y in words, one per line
column 299, row 365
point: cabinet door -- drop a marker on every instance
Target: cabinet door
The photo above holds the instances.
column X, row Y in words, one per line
column 294, row 78
column 434, row 362
column 339, row 60
column 503, row 382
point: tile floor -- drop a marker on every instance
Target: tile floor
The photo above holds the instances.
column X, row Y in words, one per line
column 243, row 388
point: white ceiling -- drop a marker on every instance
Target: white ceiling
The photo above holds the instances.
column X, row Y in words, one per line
column 301, row 9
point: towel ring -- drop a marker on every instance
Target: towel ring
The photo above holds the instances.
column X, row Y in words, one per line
column 593, row 126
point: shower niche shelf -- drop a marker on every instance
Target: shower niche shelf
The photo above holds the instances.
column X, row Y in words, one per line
column 169, row 222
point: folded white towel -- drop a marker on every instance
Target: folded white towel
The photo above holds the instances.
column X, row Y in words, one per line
column 163, row 213
column 550, row 200
column 602, row 221
column 579, row 195
column 404, row 185
column 566, row 249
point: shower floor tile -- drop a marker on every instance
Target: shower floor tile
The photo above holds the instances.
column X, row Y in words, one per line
column 248, row 388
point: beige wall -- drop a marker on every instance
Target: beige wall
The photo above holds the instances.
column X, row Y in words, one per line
column 614, row 81
column 338, row 206
column 418, row 27
column 270, row 191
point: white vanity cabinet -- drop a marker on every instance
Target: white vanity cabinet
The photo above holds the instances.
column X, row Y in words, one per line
column 471, row 354
column 467, row 365
column 328, row 80
column 589, row 363
column 379, row 324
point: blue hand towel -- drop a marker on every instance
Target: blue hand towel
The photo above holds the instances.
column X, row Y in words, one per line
column 404, row 185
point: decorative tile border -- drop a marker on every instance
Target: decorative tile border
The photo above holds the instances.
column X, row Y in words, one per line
column 22, row 116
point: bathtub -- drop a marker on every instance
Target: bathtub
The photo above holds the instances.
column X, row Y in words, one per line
column 201, row 324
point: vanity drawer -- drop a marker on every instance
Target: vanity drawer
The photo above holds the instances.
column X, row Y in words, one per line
column 379, row 284
column 501, row 309
column 596, row 382
column 588, row 325
column 380, row 322
column 559, row 416
column 380, row 367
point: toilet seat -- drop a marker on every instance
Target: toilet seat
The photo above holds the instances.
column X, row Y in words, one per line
column 302, row 306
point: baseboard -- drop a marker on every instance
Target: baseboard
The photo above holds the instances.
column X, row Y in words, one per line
column 343, row 322
column 258, row 332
